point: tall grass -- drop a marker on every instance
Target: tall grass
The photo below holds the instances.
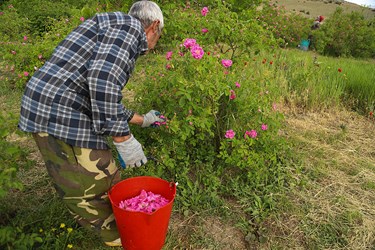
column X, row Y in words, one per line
column 313, row 82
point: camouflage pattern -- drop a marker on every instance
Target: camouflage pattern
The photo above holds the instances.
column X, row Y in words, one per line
column 82, row 178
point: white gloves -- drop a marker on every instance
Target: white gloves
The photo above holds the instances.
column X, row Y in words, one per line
column 130, row 153
column 150, row 118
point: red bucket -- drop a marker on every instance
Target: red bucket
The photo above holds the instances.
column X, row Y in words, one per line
column 140, row 230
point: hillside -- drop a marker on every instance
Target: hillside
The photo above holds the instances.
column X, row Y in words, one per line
column 313, row 8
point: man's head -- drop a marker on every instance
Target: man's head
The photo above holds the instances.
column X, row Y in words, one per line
column 151, row 17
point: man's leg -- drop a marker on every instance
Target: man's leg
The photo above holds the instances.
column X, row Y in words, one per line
column 82, row 178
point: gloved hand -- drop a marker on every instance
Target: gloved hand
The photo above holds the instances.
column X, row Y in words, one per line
column 130, row 153
column 151, row 117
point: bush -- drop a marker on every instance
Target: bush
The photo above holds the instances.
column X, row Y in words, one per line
column 229, row 32
column 289, row 28
column 346, row 35
column 203, row 98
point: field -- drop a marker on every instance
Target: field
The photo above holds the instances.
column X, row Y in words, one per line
column 310, row 180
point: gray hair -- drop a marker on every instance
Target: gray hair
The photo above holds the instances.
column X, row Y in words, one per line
column 147, row 12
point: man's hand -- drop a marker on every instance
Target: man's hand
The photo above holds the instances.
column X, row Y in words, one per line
column 130, row 152
column 150, row 118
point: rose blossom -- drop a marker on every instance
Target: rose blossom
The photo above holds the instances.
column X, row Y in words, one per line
column 232, row 94
column 169, row 55
column 189, row 42
column 197, row 52
column 204, row 11
column 226, row 63
column 146, row 202
column 264, row 126
column 252, row 134
column 230, row 134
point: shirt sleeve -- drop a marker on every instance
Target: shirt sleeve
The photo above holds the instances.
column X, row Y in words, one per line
column 113, row 60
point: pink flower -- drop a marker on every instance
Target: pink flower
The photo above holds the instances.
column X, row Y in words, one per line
column 230, row 134
column 25, row 38
column 204, row 30
column 189, row 42
column 40, row 56
column 169, row 55
column 226, row 63
column 204, row 11
column 238, row 85
column 251, row 134
column 82, row 19
column 13, row 52
column 180, row 53
column 197, row 52
column 264, row 127
column 168, row 66
column 25, row 73
column 1, row 13
column 145, row 202
column 232, row 94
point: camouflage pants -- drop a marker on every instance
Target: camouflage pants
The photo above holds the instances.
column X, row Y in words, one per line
column 82, row 178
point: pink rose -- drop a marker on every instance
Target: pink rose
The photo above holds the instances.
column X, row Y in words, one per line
column 230, row 134
column 204, row 11
column 204, row 30
column 189, row 42
column 232, row 94
column 169, row 55
column 197, row 51
column 226, row 63
column 251, row 134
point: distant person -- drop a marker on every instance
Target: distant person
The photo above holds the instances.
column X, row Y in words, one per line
column 72, row 105
column 317, row 22
column 316, row 25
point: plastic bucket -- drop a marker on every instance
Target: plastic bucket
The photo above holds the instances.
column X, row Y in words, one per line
column 140, row 230
column 305, row 45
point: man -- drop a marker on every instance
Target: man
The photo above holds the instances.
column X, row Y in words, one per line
column 73, row 104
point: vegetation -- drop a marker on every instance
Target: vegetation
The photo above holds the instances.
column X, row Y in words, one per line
column 234, row 138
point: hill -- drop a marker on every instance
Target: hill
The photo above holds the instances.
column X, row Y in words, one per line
column 313, row 8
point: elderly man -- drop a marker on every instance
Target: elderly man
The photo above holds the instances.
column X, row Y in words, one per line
column 73, row 104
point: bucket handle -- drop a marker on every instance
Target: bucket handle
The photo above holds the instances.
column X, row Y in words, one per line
column 172, row 184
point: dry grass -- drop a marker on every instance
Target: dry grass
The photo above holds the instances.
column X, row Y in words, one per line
column 336, row 210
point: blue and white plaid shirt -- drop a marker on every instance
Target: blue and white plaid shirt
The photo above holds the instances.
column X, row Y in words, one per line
column 76, row 95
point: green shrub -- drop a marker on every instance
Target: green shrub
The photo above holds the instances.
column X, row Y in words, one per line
column 346, row 35
column 289, row 28
column 229, row 32
column 13, row 26
column 202, row 101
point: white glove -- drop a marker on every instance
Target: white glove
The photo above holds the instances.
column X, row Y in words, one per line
column 131, row 152
column 151, row 117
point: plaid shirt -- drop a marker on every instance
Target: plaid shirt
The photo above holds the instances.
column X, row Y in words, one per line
column 76, row 95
